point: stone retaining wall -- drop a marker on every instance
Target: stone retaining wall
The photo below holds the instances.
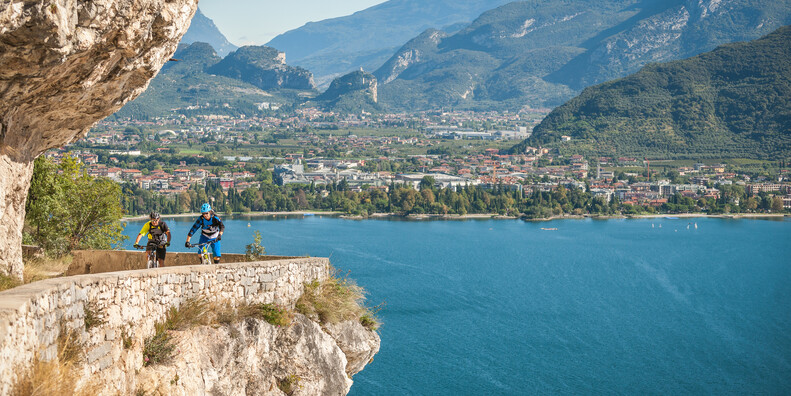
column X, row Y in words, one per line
column 32, row 316
column 99, row 261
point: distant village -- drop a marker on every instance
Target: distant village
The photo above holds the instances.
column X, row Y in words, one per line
column 535, row 169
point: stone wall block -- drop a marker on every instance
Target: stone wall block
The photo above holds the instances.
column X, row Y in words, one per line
column 99, row 351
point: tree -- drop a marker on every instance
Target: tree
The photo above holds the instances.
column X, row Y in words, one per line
column 427, row 182
column 71, row 210
column 777, row 204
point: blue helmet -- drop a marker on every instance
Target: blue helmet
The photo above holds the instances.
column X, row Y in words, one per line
column 205, row 208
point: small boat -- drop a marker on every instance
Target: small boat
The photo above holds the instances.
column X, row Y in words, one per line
column 652, row 225
column 671, row 217
column 248, row 224
column 696, row 226
column 660, row 226
column 549, row 229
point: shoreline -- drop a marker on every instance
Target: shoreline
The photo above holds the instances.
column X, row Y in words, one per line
column 480, row 216
column 255, row 214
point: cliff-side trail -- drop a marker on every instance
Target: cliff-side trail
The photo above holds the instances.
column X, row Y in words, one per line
column 65, row 64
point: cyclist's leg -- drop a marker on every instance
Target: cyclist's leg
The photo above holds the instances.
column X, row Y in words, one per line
column 161, row 256
column 150, row 254
column 215, row 247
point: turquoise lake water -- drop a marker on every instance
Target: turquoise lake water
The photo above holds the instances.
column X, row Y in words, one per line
column 488, row 307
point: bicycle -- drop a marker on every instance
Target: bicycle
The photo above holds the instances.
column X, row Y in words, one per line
column 151, row 261
column 204, row 252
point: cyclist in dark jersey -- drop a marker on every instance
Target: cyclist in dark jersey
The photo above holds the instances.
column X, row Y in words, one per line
column 158, row 235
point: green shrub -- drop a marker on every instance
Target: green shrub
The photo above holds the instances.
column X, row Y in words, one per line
column 335, row 300
column 94, row 315
column 289, row 384
column 271, row 313
column 158, row 349
column 255, row 251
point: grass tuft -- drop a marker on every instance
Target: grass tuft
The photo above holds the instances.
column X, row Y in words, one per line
column 94, row 315
column 158, row 349
column 8, row 282
column 40, row 268
column 193, row 312
column 271, row 313
column 289, row 384
column 58, row 376
column 36, row 269
column 336, row 300
column 126, row 338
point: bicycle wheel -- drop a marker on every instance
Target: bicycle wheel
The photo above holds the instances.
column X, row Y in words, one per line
column 205, row 258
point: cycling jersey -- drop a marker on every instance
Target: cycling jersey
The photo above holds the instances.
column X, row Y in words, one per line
column 156, row 234
column 209, row 228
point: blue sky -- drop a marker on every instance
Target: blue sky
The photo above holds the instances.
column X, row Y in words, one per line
column 246, row 22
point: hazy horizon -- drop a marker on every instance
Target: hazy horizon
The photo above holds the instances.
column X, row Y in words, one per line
column 249, row 22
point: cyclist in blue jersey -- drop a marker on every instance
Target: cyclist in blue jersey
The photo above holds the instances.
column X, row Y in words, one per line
column 211, row 228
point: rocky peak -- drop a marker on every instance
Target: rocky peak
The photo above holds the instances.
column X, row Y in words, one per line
column 264, row 67
column 354, row 82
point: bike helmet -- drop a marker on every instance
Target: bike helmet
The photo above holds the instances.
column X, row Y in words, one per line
column 205, row 208
column 153, row 215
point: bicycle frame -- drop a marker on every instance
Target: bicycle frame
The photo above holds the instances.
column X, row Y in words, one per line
column 204, row 252
column 151, row 257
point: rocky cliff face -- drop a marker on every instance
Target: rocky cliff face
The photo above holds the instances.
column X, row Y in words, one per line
column 255, row 358
column 63, row 66
column 354, row 82
column 354, row 92
column 411, row 53
column 264, row 67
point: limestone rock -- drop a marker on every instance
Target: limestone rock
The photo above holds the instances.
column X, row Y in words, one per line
column 65, row 64
column 357, row 343
column 251, row 357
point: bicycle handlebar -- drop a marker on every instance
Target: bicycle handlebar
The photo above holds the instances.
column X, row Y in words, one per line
column 204, row 243
column 144, row 247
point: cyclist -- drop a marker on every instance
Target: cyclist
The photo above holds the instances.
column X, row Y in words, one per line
column 211, row 228
column 158, row 235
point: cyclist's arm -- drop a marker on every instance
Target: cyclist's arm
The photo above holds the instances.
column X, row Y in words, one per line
column 143, row 231
column 167, row 230
column 220, row 224
column 193, row 229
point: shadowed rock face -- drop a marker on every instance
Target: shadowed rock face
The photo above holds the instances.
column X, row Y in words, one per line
column 252, row 357
column 64, row 65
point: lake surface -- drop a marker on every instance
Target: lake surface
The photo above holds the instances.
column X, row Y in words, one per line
column 485, row 307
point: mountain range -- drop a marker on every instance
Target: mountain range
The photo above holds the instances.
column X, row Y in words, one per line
column 542, row 53
column 367, row 38
column 734, row 101
column 522, row 54
column 200, row 81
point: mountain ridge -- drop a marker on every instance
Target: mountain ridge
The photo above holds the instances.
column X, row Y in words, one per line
column 541, row 54
column 732, row 101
